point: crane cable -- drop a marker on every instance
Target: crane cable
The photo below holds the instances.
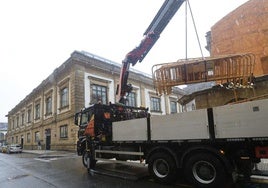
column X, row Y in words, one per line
column 187, row 4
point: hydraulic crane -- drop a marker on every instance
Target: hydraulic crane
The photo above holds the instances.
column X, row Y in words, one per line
column 151, row 35
column 209, row 147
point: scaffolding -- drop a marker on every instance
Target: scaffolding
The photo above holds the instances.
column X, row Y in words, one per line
column 233, row 71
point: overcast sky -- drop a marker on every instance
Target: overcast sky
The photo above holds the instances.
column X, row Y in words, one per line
column 37, row 36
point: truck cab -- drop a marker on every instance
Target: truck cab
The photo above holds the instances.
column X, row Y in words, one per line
column 95, row 122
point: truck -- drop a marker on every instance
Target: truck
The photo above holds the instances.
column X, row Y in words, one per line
column 209, row 146
column 206, row 146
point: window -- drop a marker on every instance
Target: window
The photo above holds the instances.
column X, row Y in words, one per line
column 21, row 140
column 22, row 118
column 99, row 94
column 13, row 123
column 29, row 115
column 64, row 97
column 17, row 139
column 17, row 122
column 155, row 104
column 28, row 138
column 37, row 111
column 63, row 131
column 84, row 118
column 37, row 136
column 173, row 107
column 131, row 99
column 49, row 105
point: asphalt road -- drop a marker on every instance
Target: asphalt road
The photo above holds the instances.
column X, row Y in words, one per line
column 31, row 170
column 28, row 170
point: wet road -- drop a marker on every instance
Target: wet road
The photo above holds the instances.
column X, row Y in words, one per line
column 30, row 170
column 27, row 170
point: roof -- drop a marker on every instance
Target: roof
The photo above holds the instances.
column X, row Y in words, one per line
column 83, row 57
column 198, row 89
column 91, row 55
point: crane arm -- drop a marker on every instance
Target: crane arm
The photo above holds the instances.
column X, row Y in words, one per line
column 151, row 35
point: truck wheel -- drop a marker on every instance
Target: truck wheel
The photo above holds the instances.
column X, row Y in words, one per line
column 205, row 170
column 162, row 168
column 85, row 157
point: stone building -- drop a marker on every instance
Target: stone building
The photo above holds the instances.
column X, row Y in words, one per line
column 47, row 113
column 3, row 131
column 244, row 30
column 218, row 96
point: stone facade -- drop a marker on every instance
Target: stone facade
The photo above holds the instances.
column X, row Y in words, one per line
column 47, row 113
column 218, row 96
column 244, row 30
column 3, row 130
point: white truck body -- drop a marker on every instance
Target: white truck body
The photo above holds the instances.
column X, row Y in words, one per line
column 133, row 130
column 181, row 126
column 243, row 120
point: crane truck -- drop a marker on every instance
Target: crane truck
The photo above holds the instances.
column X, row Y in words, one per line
column 208, row 146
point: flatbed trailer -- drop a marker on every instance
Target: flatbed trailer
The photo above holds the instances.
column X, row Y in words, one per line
column 208, row 146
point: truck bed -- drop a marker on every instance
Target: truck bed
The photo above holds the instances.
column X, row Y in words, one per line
column 243, row 120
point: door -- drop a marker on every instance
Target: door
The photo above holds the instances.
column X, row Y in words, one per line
column 21, row 142
column 48, row 141
column 48, row 138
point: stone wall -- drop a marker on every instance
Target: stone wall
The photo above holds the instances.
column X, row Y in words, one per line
column 218, row 96
column 244, row 30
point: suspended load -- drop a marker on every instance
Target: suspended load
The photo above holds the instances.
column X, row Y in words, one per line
column 230, row 70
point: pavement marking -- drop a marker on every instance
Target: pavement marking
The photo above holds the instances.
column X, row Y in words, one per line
column 43, row 160
column 18, row 176
column 49, row 158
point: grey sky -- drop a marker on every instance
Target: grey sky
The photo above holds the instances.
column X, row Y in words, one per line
column 38, row 36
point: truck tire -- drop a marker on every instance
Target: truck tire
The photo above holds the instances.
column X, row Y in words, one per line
column 85, row 158
column 162, row 167
column 205, row 170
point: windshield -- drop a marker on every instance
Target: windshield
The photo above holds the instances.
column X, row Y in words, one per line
column 85, row 117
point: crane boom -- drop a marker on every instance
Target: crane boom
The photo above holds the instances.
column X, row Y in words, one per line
column 151, row 35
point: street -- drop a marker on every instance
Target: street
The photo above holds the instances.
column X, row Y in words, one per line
column 66, row 170
column 30, row 170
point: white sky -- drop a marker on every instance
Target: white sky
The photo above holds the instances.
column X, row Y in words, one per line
column 38, row 36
